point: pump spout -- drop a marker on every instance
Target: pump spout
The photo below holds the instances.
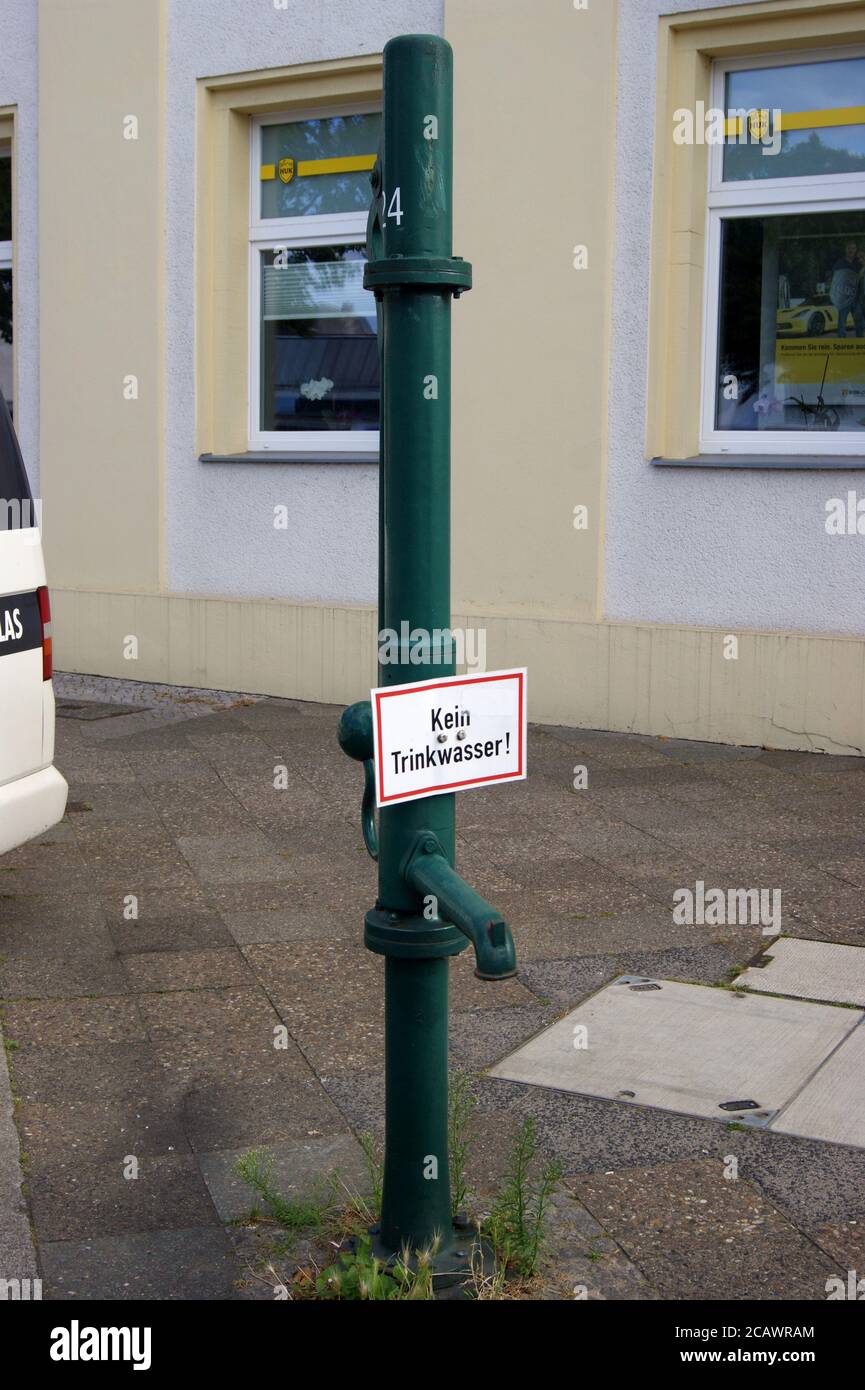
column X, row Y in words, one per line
column 429, row 873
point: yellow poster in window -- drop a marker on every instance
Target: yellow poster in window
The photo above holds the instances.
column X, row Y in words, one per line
column 805, row 366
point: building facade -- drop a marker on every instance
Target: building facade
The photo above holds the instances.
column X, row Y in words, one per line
column 658, row 397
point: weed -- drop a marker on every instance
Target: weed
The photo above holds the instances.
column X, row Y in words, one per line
column 487, row 1285
column 461, row 1104
column 352, row 1212
column 515, row 1227
column 359, row 1275
column 298, row 1214
column 374, row 1162
column 517, row 1221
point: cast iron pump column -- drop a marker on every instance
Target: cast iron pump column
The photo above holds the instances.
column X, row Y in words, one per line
column 425, row 912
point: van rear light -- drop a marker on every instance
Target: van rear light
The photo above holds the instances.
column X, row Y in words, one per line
column 45, row 618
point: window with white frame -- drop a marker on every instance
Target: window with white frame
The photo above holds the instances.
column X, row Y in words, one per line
column 6, row 374
column 784, row 367
column 314, row 367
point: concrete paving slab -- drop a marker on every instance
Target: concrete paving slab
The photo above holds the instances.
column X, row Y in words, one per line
column 61, row 977
column 222, row 1115
column 60, row 1131
column 568, row 980
column 248, row 858
column 83, row 1200
column 830, row 1106
column 185, row 970
column 809, row 1181
column 479, row 1036
column 252, row 1055
column 347, row 899
column 639, row 750
column 587, row 1134
column 581, row 1261
column 491, row 1139
column 809, row 970
column 845, row 1242
column 685, row 1048
column 189, row 1263
column 300, row 1171
column 99, row 1072
column 352, row 1044
column 24, row 933
column 468, row 992
column 109, row 801
column 620, row 933
column 41, row 1022
column 188, row 931
column 207, row 1012
column 184, row 763
column 291, row 923
column 360, row 1098
column 301, row 979
column 17, row 1256
column 689, row 1229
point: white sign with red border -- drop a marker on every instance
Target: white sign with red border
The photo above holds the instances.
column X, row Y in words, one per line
column 449, row 735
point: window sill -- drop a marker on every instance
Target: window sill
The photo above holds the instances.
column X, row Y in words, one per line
column 829, row 462
column 276, row 456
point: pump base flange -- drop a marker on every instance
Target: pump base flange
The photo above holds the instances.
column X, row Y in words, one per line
column 411, row 938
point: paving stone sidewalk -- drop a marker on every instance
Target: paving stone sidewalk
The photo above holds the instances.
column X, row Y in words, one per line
column 186, row 908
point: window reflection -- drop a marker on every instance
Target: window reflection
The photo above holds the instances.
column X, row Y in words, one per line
column 832, row 143
column 319, row 353
column 792, row 323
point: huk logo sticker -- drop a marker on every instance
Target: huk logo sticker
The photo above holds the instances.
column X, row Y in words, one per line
column 285, row 168
column 758, row 124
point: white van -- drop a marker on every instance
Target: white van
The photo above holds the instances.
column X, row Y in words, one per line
column 32, row 791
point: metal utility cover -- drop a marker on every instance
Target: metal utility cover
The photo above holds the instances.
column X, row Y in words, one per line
column 686, row 1048
column 831, row 1105
column 810, row 970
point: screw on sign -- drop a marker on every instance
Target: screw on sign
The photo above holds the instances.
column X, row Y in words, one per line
column 450, row 734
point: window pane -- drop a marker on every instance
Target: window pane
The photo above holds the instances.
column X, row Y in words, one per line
column 321, row 166
column 6, row 336
column 5, row 197
column 319, row 353
column 792, row 323
column 822, row 120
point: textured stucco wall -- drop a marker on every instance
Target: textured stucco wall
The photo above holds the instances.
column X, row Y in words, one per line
column 736, row 549
column 19, row 87
column 220, row 537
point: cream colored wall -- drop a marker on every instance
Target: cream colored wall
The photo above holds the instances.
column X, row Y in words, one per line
column 783, row 691
column 100, row 229
column 530, row 401
column 534, row 129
